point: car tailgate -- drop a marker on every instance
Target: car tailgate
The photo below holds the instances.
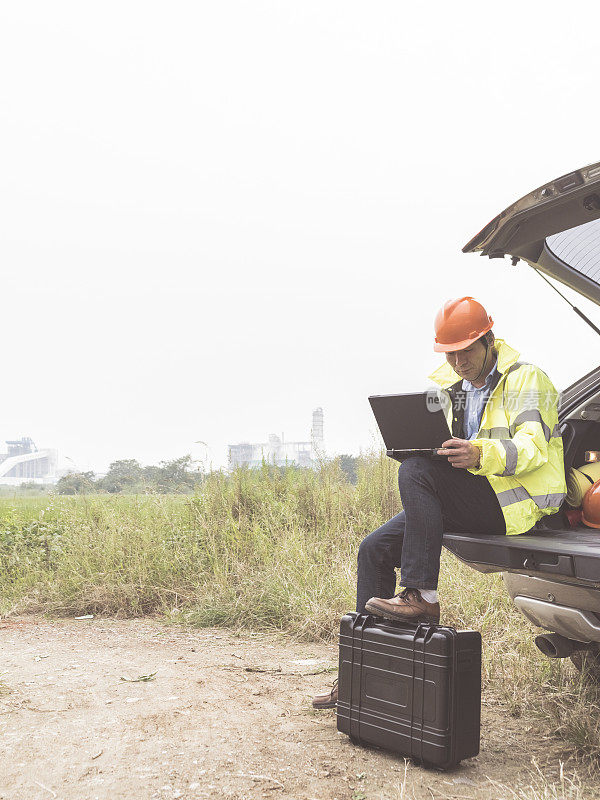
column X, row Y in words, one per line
column 555, row 229
column 573, row 554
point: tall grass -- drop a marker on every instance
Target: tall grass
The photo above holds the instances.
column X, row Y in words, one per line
column 265, row 549
column 262, row 548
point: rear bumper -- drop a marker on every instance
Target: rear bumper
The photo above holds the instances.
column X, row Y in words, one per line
column 582, row 626
column 556, row 592
column 569, row 609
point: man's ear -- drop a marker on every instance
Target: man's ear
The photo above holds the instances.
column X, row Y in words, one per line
column 490, row 338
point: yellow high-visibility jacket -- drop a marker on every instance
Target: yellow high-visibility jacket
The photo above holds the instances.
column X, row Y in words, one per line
column 519, row 438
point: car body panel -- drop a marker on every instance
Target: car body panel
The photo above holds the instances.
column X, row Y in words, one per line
column 578, row 394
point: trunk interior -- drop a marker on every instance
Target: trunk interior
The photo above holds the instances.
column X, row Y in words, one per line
column 552, row 550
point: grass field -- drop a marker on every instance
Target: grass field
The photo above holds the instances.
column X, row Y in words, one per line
column 265, row 549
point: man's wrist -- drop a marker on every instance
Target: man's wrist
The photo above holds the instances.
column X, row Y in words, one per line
column 478, row 454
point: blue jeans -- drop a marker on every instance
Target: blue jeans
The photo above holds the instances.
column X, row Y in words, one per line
column 435, row 497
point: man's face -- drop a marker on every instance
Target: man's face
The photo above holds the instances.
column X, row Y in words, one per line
column 468, row 363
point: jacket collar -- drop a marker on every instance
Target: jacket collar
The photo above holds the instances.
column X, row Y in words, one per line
column 467, row 386
column 445, row 376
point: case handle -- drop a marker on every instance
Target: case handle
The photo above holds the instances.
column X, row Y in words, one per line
column 361, row 621
column 427, row 628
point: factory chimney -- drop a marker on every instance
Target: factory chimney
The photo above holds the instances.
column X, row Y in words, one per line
column 316, row 433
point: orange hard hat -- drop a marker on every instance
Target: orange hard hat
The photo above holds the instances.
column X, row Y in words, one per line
column 591, row 506
column 459, row 323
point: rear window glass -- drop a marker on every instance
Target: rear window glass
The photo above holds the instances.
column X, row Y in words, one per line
column 579, row 248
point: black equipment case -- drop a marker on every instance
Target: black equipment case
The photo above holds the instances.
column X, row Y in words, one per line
column 415, row 690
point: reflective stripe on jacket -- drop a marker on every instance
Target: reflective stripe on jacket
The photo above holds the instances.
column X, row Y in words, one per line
column 519, row 439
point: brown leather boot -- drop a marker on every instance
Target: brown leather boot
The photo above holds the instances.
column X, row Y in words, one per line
column 407, row 606
column 327, row 699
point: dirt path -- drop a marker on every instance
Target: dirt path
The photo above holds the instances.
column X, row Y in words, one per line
column 205, row 727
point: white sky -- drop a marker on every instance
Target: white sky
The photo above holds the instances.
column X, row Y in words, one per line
column 217, row 216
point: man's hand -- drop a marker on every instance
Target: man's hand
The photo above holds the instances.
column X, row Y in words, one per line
column 461, row 453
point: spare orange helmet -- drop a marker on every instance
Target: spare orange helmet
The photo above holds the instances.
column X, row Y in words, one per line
column 591, row 506
column 459, row 323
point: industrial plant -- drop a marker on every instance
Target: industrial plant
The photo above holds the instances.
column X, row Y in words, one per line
column 279, row 452
column 25, row 463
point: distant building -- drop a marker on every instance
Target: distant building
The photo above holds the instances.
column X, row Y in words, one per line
column 279, row 452
column 25, row 463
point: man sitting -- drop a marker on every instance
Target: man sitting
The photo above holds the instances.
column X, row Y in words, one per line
column 504, row 471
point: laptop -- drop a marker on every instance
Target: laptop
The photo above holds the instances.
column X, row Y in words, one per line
column 411, row 424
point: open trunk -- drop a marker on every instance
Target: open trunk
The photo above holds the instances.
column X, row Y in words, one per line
column 554, row 229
